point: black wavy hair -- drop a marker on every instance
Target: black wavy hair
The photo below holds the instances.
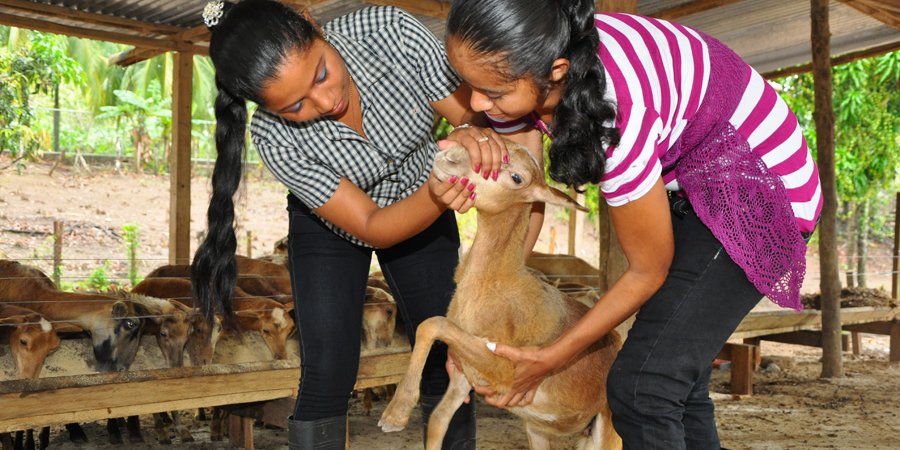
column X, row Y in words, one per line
column 522, row 38
column 247, row 47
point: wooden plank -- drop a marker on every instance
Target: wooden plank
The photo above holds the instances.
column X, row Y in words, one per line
column 884, row 12
column 89, row 18
column 808, row 338
column 92, row 397
column 686, row 9
column 89, row 33
column 775, row 322
column 835, row 61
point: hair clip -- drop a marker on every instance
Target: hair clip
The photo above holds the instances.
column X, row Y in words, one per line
column 212, row 12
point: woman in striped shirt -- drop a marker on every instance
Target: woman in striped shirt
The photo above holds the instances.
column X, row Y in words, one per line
column 643, row 106
column 344, row 122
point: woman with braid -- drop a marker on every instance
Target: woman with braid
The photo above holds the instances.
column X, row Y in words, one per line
column 344, row 122
column 711, row 187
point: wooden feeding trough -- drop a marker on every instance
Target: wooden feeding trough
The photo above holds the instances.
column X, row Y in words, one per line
column 804, row 328
column 83, row 398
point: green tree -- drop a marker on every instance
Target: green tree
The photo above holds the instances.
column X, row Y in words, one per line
column 867, row 127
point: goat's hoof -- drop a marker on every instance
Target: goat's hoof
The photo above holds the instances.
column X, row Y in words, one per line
column 389, row 427
column 393, row 419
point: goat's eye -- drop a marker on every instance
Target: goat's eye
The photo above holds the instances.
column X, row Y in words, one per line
column 266, row 331
column 23, row 341
column 164, row 333
column 130, row 324
column 516, row 178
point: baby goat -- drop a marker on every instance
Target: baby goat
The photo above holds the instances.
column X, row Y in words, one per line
column 497, row 299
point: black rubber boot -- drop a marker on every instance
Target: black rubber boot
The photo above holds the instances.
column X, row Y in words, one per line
column 322, row 434
column 461, row 432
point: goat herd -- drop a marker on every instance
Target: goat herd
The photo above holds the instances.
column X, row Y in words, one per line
column 35, row 313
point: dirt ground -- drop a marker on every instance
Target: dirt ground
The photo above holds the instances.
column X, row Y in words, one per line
column 791, row 407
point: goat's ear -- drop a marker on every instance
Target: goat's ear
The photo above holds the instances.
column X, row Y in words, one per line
column 553, row 196
column 14, row 320
column 66, row 327
column 288, row 307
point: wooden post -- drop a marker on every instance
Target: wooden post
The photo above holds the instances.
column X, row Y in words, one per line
column 625, row 6
column 180, row 160
column 249, row 244
column 857, row 343
column 240, row 431
column 895, row 277
column 849, row 280
column 830, row 284
column 57, row 251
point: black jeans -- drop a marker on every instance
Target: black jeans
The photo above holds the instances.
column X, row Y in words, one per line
column 328, row 275
column 658, row 387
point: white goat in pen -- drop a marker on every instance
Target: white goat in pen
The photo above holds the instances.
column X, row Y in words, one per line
column 498, row 300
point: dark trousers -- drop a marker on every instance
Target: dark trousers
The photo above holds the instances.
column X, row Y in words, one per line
column 328, row 275
column 658, row 387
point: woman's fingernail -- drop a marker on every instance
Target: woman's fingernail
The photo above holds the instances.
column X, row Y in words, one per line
column 453, row 179
column 464, row 181
column 477, row 167
column 506, row 158
column 492, row 346
column 472, row 196
column 471, row 187
column 495, row 175
column 486, row 174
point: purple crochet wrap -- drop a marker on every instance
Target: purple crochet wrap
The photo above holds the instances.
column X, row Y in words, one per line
column 733, row 193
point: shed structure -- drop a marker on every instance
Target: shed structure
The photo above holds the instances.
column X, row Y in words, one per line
column 772, row 35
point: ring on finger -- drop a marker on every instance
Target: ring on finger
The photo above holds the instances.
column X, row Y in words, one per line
column 482, row 139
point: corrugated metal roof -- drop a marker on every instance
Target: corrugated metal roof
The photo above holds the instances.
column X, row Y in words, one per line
column 769, row 34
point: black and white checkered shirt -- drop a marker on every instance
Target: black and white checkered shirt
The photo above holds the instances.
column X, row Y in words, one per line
column 399, row 67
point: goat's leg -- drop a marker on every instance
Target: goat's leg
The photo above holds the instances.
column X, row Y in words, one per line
column 536, row 439
column 440, row 418
column 607, row 438
column 181, row 430
column 161, row 428
column 44, row 438
column 466, row 347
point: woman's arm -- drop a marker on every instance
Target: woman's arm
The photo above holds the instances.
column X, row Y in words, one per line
column 351, row 209
column 644, row 229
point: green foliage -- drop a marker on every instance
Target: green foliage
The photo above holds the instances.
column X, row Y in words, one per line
column 132, row 242
column 97, row 281
column 867, row 123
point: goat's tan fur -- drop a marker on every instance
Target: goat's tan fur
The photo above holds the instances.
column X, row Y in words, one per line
column 497, row 299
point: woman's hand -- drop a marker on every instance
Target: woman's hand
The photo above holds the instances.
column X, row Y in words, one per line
column 485, row 147
column 454, row 193
column 532, row 365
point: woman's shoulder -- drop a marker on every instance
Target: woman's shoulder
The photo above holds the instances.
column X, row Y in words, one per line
column 369, row 21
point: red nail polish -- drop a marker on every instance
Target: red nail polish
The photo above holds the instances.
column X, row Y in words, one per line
column 477, row 167
column 506, row 158
column 471, row 187
column 472, row 196
column 453, row 179
column 486, row 174
column 464, row 181
column 495, row 175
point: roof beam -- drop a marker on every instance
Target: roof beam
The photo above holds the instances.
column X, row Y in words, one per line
column 835, row 61
column 196, row 34
column 138, row 54
column 686, row 9
column 885, row 12
column 430, row 8
column 111, row 36
column 87, row 17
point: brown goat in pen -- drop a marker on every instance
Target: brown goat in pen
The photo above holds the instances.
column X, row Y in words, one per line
column 498, row 300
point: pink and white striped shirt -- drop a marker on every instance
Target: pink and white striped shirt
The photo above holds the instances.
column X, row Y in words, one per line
column 658, row 74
